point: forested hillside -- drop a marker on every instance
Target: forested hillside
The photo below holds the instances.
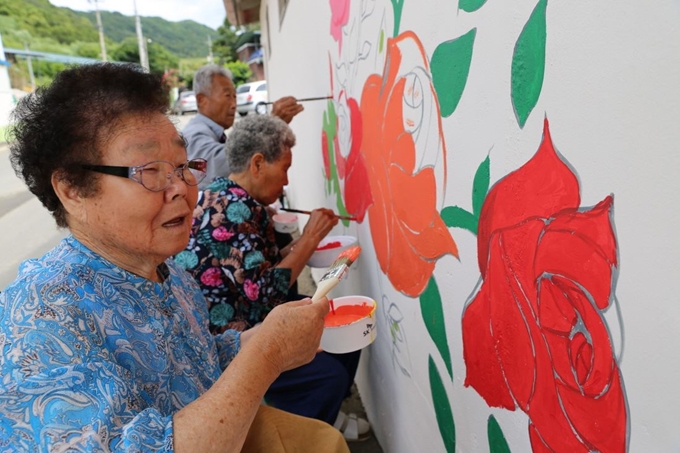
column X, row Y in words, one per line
column 185, row 39
column 175, row 49
column 46, row 27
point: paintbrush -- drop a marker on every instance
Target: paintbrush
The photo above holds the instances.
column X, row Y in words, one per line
column 320, row 98
column 300, row 211
column 336, row 272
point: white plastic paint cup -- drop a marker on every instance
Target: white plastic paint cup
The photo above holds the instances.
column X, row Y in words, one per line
column 285, row 223
column 354, row 336
column 325, row 258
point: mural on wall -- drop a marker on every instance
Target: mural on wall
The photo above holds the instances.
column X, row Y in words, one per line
column 385, row 162
column 394, row 173
column 534, row 335
column 397, row 134
column 402, row 144
column 344, row 165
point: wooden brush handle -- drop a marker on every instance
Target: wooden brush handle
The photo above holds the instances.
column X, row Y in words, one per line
column 324, row 287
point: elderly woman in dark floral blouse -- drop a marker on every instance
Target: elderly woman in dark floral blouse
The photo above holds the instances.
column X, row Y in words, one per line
column 232, row 254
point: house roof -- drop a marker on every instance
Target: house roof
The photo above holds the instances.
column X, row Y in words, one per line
column 248, row 37
column 69, row 59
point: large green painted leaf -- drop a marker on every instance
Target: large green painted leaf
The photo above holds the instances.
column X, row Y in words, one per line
column 450, row 66
column 497, row 442
column 470, row 5
column 457, row 217
column 442, row 408
column 433, row 316
column 480, row 186
column 528, row 64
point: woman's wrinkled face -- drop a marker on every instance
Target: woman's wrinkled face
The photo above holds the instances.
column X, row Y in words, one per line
column 274, row 176
column 124, row 221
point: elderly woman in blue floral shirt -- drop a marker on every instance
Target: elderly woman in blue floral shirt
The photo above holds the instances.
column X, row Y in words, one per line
column 232, row 254
column 105, row 342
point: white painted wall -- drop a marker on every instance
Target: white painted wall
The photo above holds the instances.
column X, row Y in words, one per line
column 612, row 97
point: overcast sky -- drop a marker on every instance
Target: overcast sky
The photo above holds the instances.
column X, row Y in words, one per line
column 207, row 12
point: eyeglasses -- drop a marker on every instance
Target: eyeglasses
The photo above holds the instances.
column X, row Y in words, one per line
column 156, row 176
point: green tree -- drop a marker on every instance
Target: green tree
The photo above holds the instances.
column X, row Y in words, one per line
column 88, row 49
column 240, row 70
column 45, row 20
column 127, row 51
column 160, row 58
column 223, row 47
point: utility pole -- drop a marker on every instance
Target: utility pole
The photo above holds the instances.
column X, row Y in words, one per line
column 210, row 54
column 102, row 44
column 143, row 56
column 30, row 66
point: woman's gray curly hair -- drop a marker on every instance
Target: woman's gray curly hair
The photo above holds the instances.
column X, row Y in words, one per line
column 264, row 134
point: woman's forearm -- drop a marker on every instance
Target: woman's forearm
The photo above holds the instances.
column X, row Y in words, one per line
column 297, row 257
column 219, row 420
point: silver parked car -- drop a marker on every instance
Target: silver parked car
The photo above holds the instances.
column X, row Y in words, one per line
column 186, row 102
column 252, row 97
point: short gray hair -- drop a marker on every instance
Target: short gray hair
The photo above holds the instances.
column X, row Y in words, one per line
column 264, row 134
column 204, row 77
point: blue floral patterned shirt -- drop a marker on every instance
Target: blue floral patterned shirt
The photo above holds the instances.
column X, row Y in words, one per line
column 232, row 254
column 97, row 359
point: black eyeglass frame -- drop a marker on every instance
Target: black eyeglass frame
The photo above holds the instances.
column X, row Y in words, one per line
column 130, row 172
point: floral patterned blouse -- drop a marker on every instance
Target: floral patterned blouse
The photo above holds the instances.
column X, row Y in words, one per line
column 96, row 359
column 232, row 254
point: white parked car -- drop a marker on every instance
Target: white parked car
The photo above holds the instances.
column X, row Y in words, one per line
column 186, row 102
column 252, row 97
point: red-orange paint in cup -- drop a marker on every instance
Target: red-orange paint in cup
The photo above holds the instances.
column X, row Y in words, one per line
column 330, row 245
column 347, row 314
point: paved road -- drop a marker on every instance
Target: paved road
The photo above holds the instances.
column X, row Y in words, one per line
column 27, row 230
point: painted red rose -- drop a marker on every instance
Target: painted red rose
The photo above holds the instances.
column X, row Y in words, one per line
column 534, row 335
column 403, row 145
column 357, row 189
column 344, row 165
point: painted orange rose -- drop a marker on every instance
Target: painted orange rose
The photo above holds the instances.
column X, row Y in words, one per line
column 405, row 154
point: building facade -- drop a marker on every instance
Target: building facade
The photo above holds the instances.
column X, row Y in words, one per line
column 512, row 166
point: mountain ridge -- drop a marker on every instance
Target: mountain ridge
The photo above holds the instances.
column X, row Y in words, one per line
column 45, row 26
